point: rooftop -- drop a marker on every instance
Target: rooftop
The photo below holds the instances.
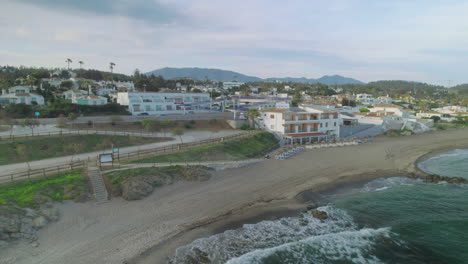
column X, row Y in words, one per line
column 389, row 106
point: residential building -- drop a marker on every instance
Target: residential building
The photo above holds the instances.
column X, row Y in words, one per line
column 89, row 100
column 302, row 124
column 155, row 103
column 70, row 94
column 230, row 85
column 384, row 100
column 388, row 108
column 365, row 98
column 21, row 95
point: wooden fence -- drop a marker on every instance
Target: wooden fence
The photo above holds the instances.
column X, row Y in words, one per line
column 78, row 132
column 41, row 172
column 119, row 157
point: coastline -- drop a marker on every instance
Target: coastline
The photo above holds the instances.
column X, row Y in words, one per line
column 265, row 211
column 135, row 232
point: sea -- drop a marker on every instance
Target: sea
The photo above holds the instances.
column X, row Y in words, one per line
column 387, row 220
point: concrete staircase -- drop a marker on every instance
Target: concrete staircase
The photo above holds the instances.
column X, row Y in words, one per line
column 99, row 188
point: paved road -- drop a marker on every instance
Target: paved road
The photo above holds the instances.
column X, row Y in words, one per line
column 188, row 137
column 130, row 118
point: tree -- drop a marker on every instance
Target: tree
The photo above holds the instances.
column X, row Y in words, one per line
column 253, row 113
column 72, row 117
column 111, row 67
column 151, row 125
column 24, row 151
column 177, row 131
column 8, row 121
column 31, row 80
column 68, row 61
column 115, row 119
column 364, row 110
column 81, row 64
column 30, row 123
column 435, row 118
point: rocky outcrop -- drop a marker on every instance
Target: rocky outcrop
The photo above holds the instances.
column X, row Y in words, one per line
column 437, row 178
column 136, row 189
column 17, row 222
column 321, row 215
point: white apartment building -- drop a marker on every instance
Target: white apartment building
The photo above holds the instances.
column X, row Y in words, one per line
column 388, row 108
column 302, row 124
column 21, row 95
column 154, row 103
column 365, row 98
column 230, row 85
column 70, row 94
column 89, row 100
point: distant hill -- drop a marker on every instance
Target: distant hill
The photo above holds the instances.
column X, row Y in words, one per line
column 462, row 88
column 225, row 76
column 328, row 80
column 202, row 74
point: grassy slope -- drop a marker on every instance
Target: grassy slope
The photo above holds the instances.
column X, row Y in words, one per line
column 28, row 193
column 57, row 146
column 251, row 147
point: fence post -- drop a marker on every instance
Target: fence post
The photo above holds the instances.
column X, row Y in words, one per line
column 43, row 172
column 11, row 177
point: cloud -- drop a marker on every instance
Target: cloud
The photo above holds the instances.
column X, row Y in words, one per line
column 146, row 10
column 365, row 39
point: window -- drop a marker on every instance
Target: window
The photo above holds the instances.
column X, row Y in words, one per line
column 326, row 124
column 272, row 126
column 147, row 108
column 321, row 125
column 169, row 107
column 272, row 116
column 158, row 108
column 334, row 124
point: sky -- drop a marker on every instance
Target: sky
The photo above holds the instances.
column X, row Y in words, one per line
column 369, row 40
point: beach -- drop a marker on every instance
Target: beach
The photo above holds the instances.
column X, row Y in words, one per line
column 148, row 231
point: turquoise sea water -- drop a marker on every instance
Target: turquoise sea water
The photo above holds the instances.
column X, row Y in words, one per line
column 392, row 220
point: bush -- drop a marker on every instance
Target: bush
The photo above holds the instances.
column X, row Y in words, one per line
column 364, row 110
column 90, row 123
column 245, row 126
column 188, row 125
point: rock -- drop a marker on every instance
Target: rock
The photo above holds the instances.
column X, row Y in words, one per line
column 51, row 214
column 3, row 244
column 319, row 214
column 196, row 174
column 136, row 189
column 39, row 222
column 311, row 206
column 30, row 212
column 35, row 244
column 82, row 198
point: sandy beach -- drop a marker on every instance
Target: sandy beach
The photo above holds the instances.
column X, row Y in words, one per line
column 147, row 231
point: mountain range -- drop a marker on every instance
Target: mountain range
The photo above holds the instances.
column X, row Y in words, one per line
column 226, row 76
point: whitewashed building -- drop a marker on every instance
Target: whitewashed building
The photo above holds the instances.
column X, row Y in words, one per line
column 21, row 95
column 230, row 85
column 388, row 108
column 154, row 103
column 365, row 98
column 302, row 124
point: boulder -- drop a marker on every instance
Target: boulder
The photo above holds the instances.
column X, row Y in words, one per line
column 319, row 214
column 39, row 222
column 136, row 189
column 51, row 214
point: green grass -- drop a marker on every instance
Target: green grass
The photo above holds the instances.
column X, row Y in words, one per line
column 32, row 193
column 4, row 128
column 58, row 146
column 252, row 147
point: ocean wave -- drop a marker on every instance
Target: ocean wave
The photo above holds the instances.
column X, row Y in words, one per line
column 382, row 184
column 263, row 235
column 452, row 164
column 351, row 246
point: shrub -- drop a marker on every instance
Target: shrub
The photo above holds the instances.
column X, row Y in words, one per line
column 245, row 126
column 364, row 110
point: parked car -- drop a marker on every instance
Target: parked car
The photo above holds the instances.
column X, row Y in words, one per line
column 142, row 114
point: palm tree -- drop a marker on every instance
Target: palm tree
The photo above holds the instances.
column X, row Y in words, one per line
column 81, row 64
column 111, row 67
column 31, row 80
column 68, row 61
column 252, row 114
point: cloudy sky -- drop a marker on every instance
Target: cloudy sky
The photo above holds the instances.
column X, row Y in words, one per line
column 422, row 40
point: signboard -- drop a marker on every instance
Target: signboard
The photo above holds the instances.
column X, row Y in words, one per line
column 37, row 114
column 107, row 157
